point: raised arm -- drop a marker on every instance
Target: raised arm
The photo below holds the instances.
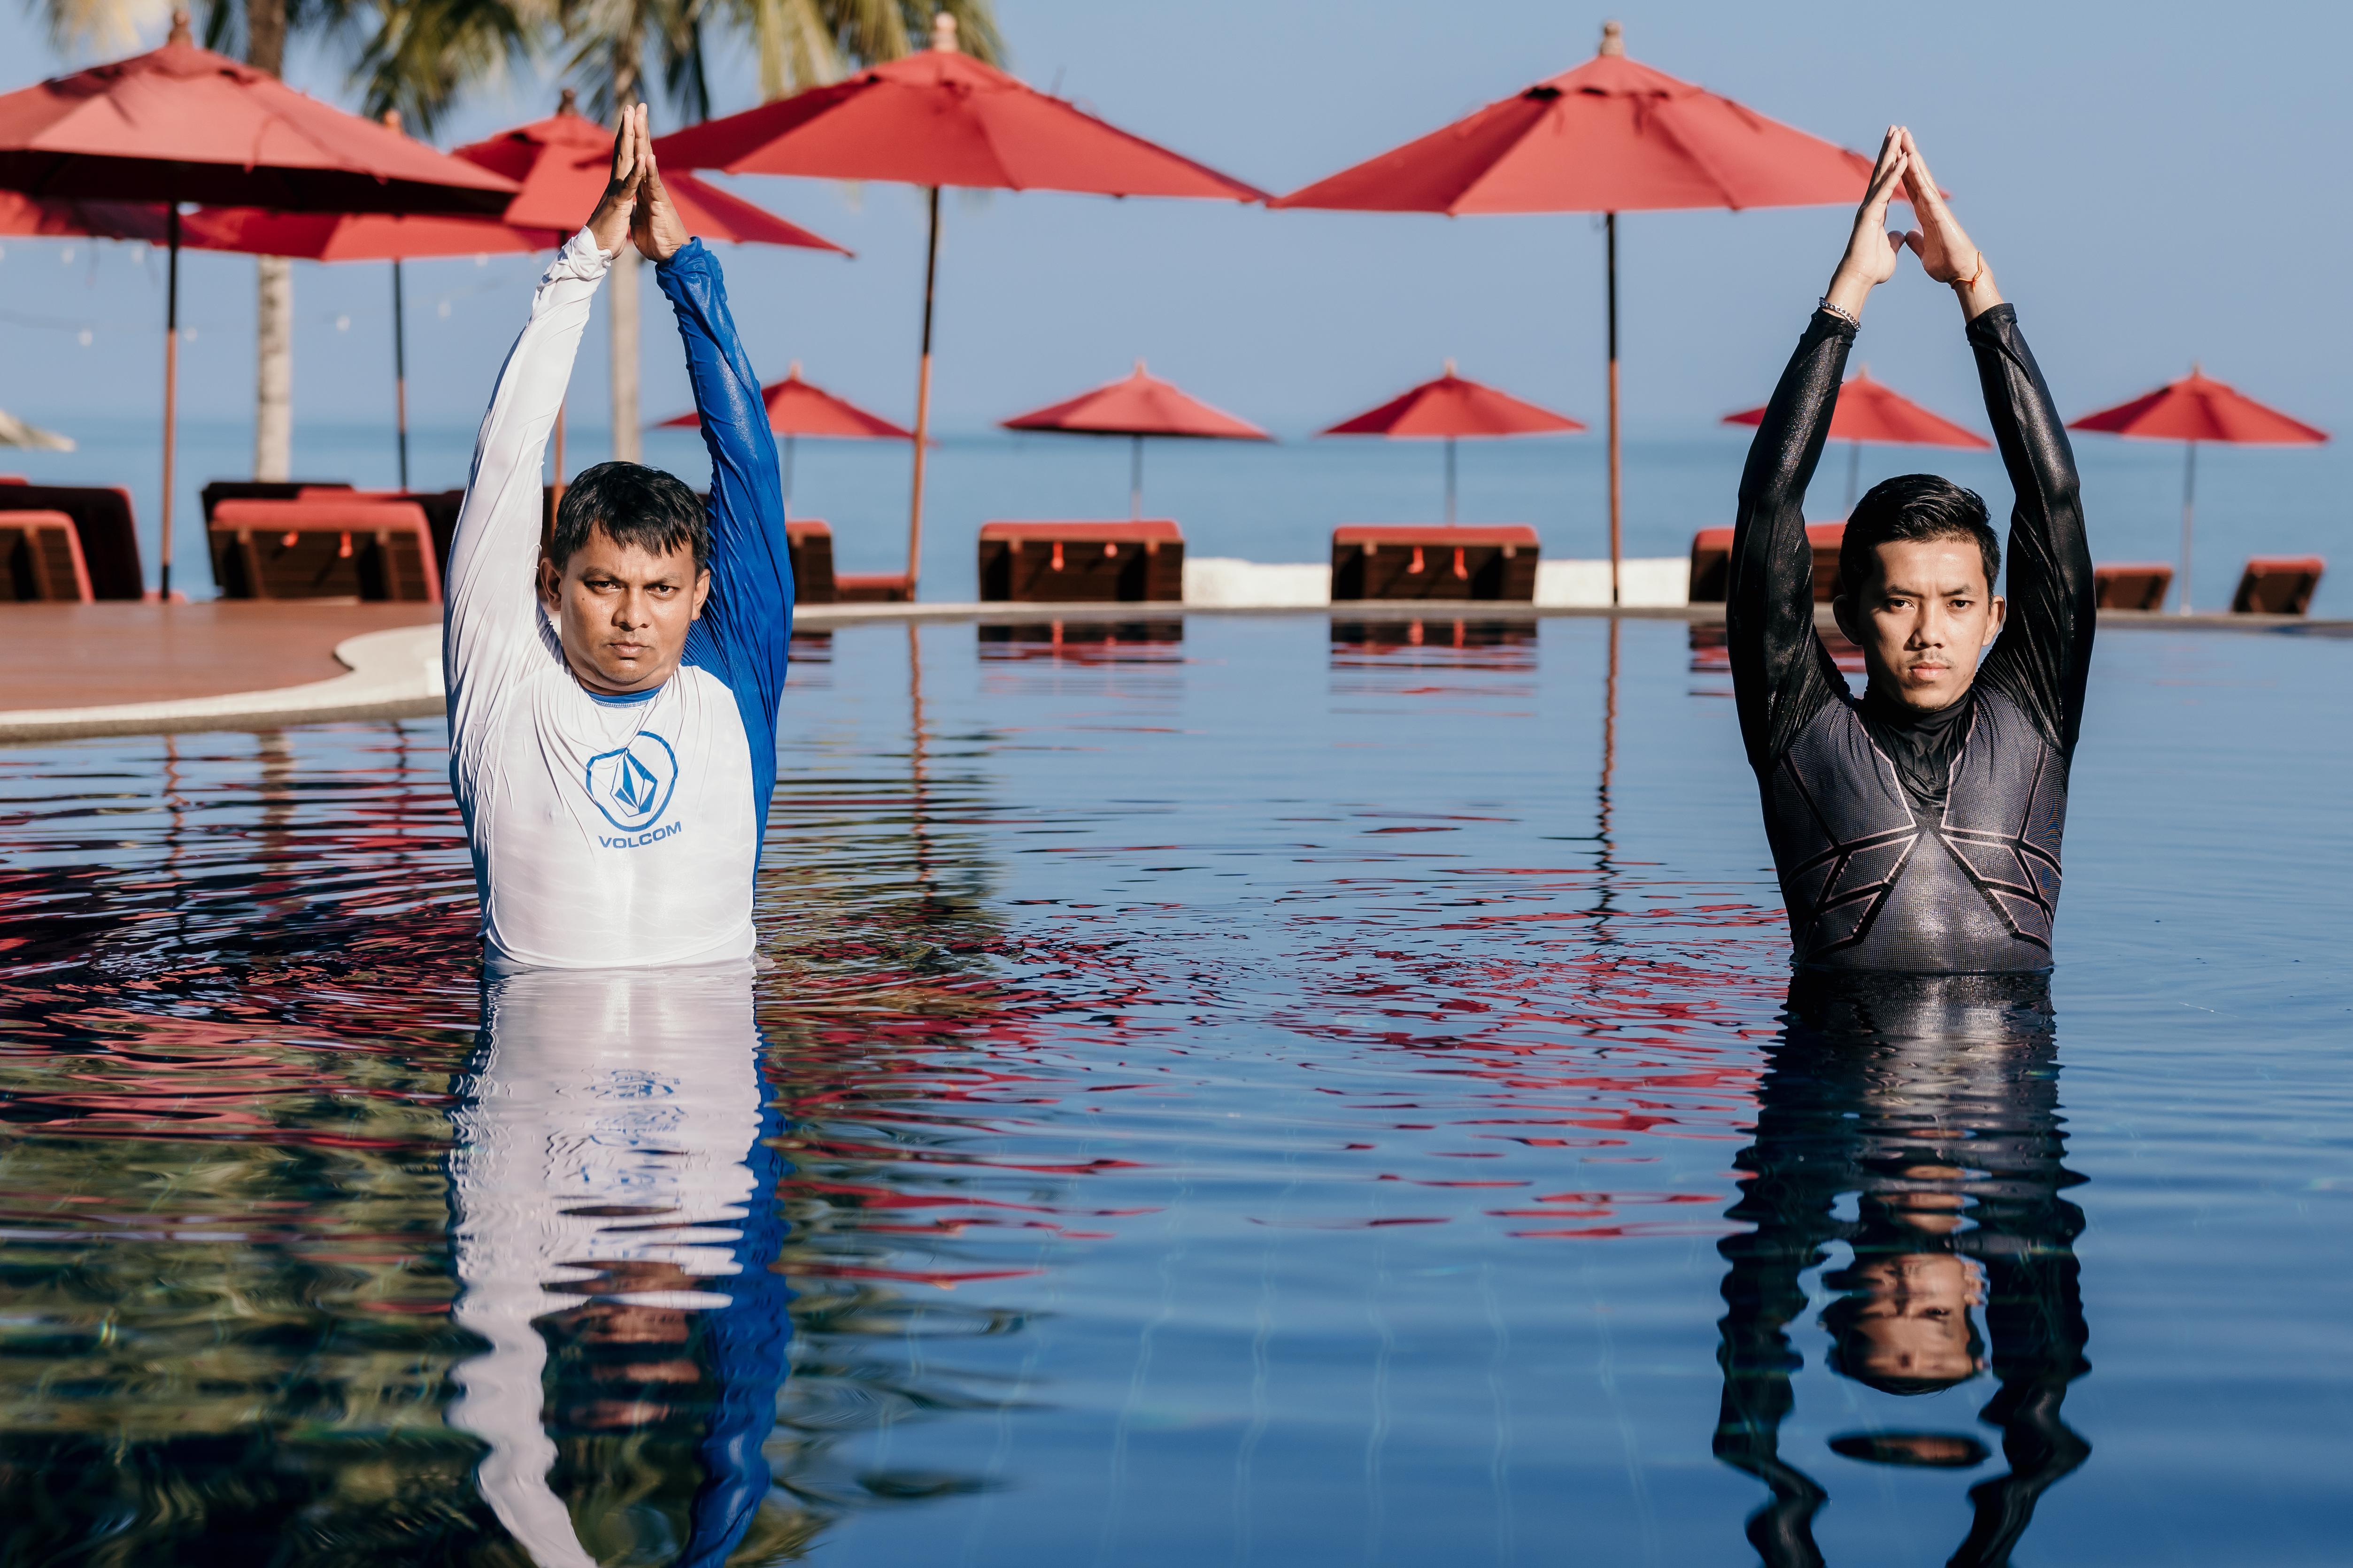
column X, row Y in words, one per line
column 491, row 618
column 1781, row 673
column 2044, row 653
column 746, row 625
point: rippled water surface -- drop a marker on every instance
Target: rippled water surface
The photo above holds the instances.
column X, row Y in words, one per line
column 1248, row 1089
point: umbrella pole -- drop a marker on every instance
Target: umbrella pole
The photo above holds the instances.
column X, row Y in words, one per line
column 400, row 370
column 1134, row 477
column 1617, row 463
column 1854, row 475
column 923, row 401
column 2188, row 500
column 788, row 476
column 171, row 394
column 1449, row 481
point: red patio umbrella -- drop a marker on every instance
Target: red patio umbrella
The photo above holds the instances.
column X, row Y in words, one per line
column 1136, row 405
column 183, row 124
column 935, row 119
column 1870, row 410
column 1611, row 136
column 796, row 408
column 566, row 184
column 1454, row 409
column 562, row 163
column 2199, row 408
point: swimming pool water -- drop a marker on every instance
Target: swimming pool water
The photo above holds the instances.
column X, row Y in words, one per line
column 1257, row 1090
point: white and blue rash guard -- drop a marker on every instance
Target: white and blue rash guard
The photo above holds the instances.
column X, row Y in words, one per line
column 616, row 831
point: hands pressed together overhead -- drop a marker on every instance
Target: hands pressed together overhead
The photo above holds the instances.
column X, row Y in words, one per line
column 636, row 203
column 1943, row 245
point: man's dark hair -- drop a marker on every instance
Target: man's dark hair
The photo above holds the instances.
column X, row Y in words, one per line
column 633, row 505
column 1915, row 507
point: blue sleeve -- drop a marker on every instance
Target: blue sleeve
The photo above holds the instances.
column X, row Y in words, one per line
column 747, row 623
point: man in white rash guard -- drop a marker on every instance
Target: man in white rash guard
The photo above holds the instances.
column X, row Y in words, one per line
column 613, row 703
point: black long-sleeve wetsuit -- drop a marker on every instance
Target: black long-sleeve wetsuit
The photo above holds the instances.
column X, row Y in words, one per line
column 1909, row 841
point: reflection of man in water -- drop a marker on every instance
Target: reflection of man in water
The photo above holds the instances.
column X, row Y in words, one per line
column 1933, row 1101
column 614, row 1193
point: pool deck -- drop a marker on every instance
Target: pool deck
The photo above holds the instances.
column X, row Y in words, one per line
column 138, row 670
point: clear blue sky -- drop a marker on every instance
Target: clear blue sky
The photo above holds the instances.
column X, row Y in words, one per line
column 2156, row 183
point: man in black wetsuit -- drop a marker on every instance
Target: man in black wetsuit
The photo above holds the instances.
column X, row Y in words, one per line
column 1916, row 829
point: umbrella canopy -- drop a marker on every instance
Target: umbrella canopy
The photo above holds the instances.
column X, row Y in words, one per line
column 1611, row 136
column 33, row 218
column 1871, row 410
column 935, row 119
column 1868, row 410
column 1137, row 405
column 184, row 124
column 14, row 432
column 356, row 237
column 2199, row 408
column 798, row 408
column 941, row 118
column 562, row 161
column 1450, row 408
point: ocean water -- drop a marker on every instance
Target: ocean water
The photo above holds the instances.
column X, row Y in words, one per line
column 1279, row 502
column 1232, row 1089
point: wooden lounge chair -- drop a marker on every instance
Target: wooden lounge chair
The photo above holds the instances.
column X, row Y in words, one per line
column 2135, row 585
column 324, row 549
column 1711, row 562
column 101, row 521
column 811, row 543
column 220, row 491
column 1081, row 562
column 41, row 554
column 873, row 588
column 1434, row 561
column 2278, row 585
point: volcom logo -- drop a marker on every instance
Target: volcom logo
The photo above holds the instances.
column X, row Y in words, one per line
column 632, row 787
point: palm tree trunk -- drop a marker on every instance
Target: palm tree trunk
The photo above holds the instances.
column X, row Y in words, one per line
column 273, row 368
column 621, row 296
column 273, row 339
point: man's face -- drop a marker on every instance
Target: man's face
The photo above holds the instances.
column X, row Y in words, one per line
column 622, row 613
column 1923, row 620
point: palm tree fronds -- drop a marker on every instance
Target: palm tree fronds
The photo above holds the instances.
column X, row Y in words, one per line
column 424, row 52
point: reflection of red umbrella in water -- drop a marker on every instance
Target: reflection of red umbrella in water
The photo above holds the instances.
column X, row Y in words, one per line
column 798, row 408
column 1136, row 405
column 184, row 124
column 1611, row 136
column 1871, row 410
column 557, row 192
column 935, row 119
column 1452, row 408
column 2199, row 408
